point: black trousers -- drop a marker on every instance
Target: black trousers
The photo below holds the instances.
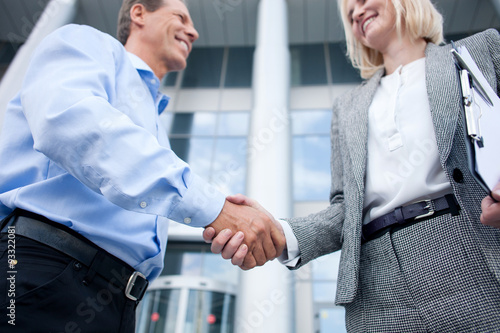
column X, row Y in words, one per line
column 44, row 291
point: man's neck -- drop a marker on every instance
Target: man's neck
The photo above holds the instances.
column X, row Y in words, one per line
column 158, row 69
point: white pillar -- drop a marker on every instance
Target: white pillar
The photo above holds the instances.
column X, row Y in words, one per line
column 304, row 307
column 56, row 14
column 265, row 299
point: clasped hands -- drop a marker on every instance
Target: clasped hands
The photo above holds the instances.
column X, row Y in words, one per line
column 245, row 233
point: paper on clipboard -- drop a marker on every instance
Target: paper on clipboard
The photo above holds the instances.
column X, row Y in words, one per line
column 484, row 162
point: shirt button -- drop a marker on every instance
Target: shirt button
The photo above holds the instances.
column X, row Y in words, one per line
column 143, row 204
column 153, row 81
column 187, row 220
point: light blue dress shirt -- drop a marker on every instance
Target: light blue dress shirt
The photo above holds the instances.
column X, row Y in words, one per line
column 82, row 145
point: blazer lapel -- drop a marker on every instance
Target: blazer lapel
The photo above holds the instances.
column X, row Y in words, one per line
column 443, row 90
column 356, row 118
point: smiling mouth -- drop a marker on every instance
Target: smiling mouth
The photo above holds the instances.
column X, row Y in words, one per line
column 184, row 45
column 365, row 24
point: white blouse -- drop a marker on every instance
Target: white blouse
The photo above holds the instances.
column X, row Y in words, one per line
column 403, row 162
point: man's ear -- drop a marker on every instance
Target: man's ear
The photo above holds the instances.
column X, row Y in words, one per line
column 137, row 14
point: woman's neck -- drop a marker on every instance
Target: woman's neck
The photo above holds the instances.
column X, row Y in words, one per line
column 403, row 53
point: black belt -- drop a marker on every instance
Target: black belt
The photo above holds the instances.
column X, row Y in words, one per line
column 418, row 211
column 52, row 234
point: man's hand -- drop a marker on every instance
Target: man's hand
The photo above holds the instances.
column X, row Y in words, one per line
column 491, row 209
column 263, row 239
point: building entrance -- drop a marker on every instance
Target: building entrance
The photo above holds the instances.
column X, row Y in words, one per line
column 183, row 304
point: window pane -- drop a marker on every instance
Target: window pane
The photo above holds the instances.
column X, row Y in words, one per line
column 324, row 291
column 204, row 123
column 166, row 119
column 308, row 65
column 342, row 70
column 200, row 156
column 181, row 148
column 311, row 168
column 173, row 262
column 326, row 267
column 200, row 123
column 197, row 152
column 239, row 67
column 170, row 79
column 215, row 267
column 191, row 264
column 203, row 68
column 234, row 123
column 332, row 320
column 182, row 123
column 229, row 169
column 311, row 122
column 215, row 146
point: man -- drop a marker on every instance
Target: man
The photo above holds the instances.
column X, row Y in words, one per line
column 88, row 180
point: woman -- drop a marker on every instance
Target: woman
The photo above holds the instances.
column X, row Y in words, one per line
column 399, row 159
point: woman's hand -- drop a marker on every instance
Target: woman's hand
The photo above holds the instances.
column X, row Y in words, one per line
column 491, row 209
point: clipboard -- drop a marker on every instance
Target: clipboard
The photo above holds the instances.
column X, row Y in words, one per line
column 482, row 117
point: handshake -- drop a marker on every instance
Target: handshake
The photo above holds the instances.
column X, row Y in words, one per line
column 245, row 233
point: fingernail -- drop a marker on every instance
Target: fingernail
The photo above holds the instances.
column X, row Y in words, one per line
column 239, row 235
column 227, row 232
column 497, row 192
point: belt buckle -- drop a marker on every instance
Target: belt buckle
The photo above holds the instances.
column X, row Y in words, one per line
column 428, row 206
column 130, row 285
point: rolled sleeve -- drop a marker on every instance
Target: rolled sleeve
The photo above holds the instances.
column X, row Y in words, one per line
column 200, row 205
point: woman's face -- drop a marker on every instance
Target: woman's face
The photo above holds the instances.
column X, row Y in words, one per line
column 373, row 22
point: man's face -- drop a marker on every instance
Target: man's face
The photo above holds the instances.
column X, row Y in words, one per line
column 169, row 32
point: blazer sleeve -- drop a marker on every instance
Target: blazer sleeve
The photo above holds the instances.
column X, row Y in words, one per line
column 321, row 233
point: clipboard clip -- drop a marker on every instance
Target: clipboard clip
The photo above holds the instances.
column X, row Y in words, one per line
column 467, row 84
column 473, row 122
column 462, row 64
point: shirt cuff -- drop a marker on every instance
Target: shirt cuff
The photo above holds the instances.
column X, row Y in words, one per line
column 201, row 204
column 291, row 256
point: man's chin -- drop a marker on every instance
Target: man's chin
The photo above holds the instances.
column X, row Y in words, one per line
column 176, row 66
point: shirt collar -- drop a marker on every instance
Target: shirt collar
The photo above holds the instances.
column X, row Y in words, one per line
column 138, row 63
column 151, row 81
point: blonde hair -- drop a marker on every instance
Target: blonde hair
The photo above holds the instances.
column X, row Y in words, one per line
column 420, row 19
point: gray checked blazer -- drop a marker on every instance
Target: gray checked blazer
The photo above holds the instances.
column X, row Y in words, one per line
column 338, row 227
